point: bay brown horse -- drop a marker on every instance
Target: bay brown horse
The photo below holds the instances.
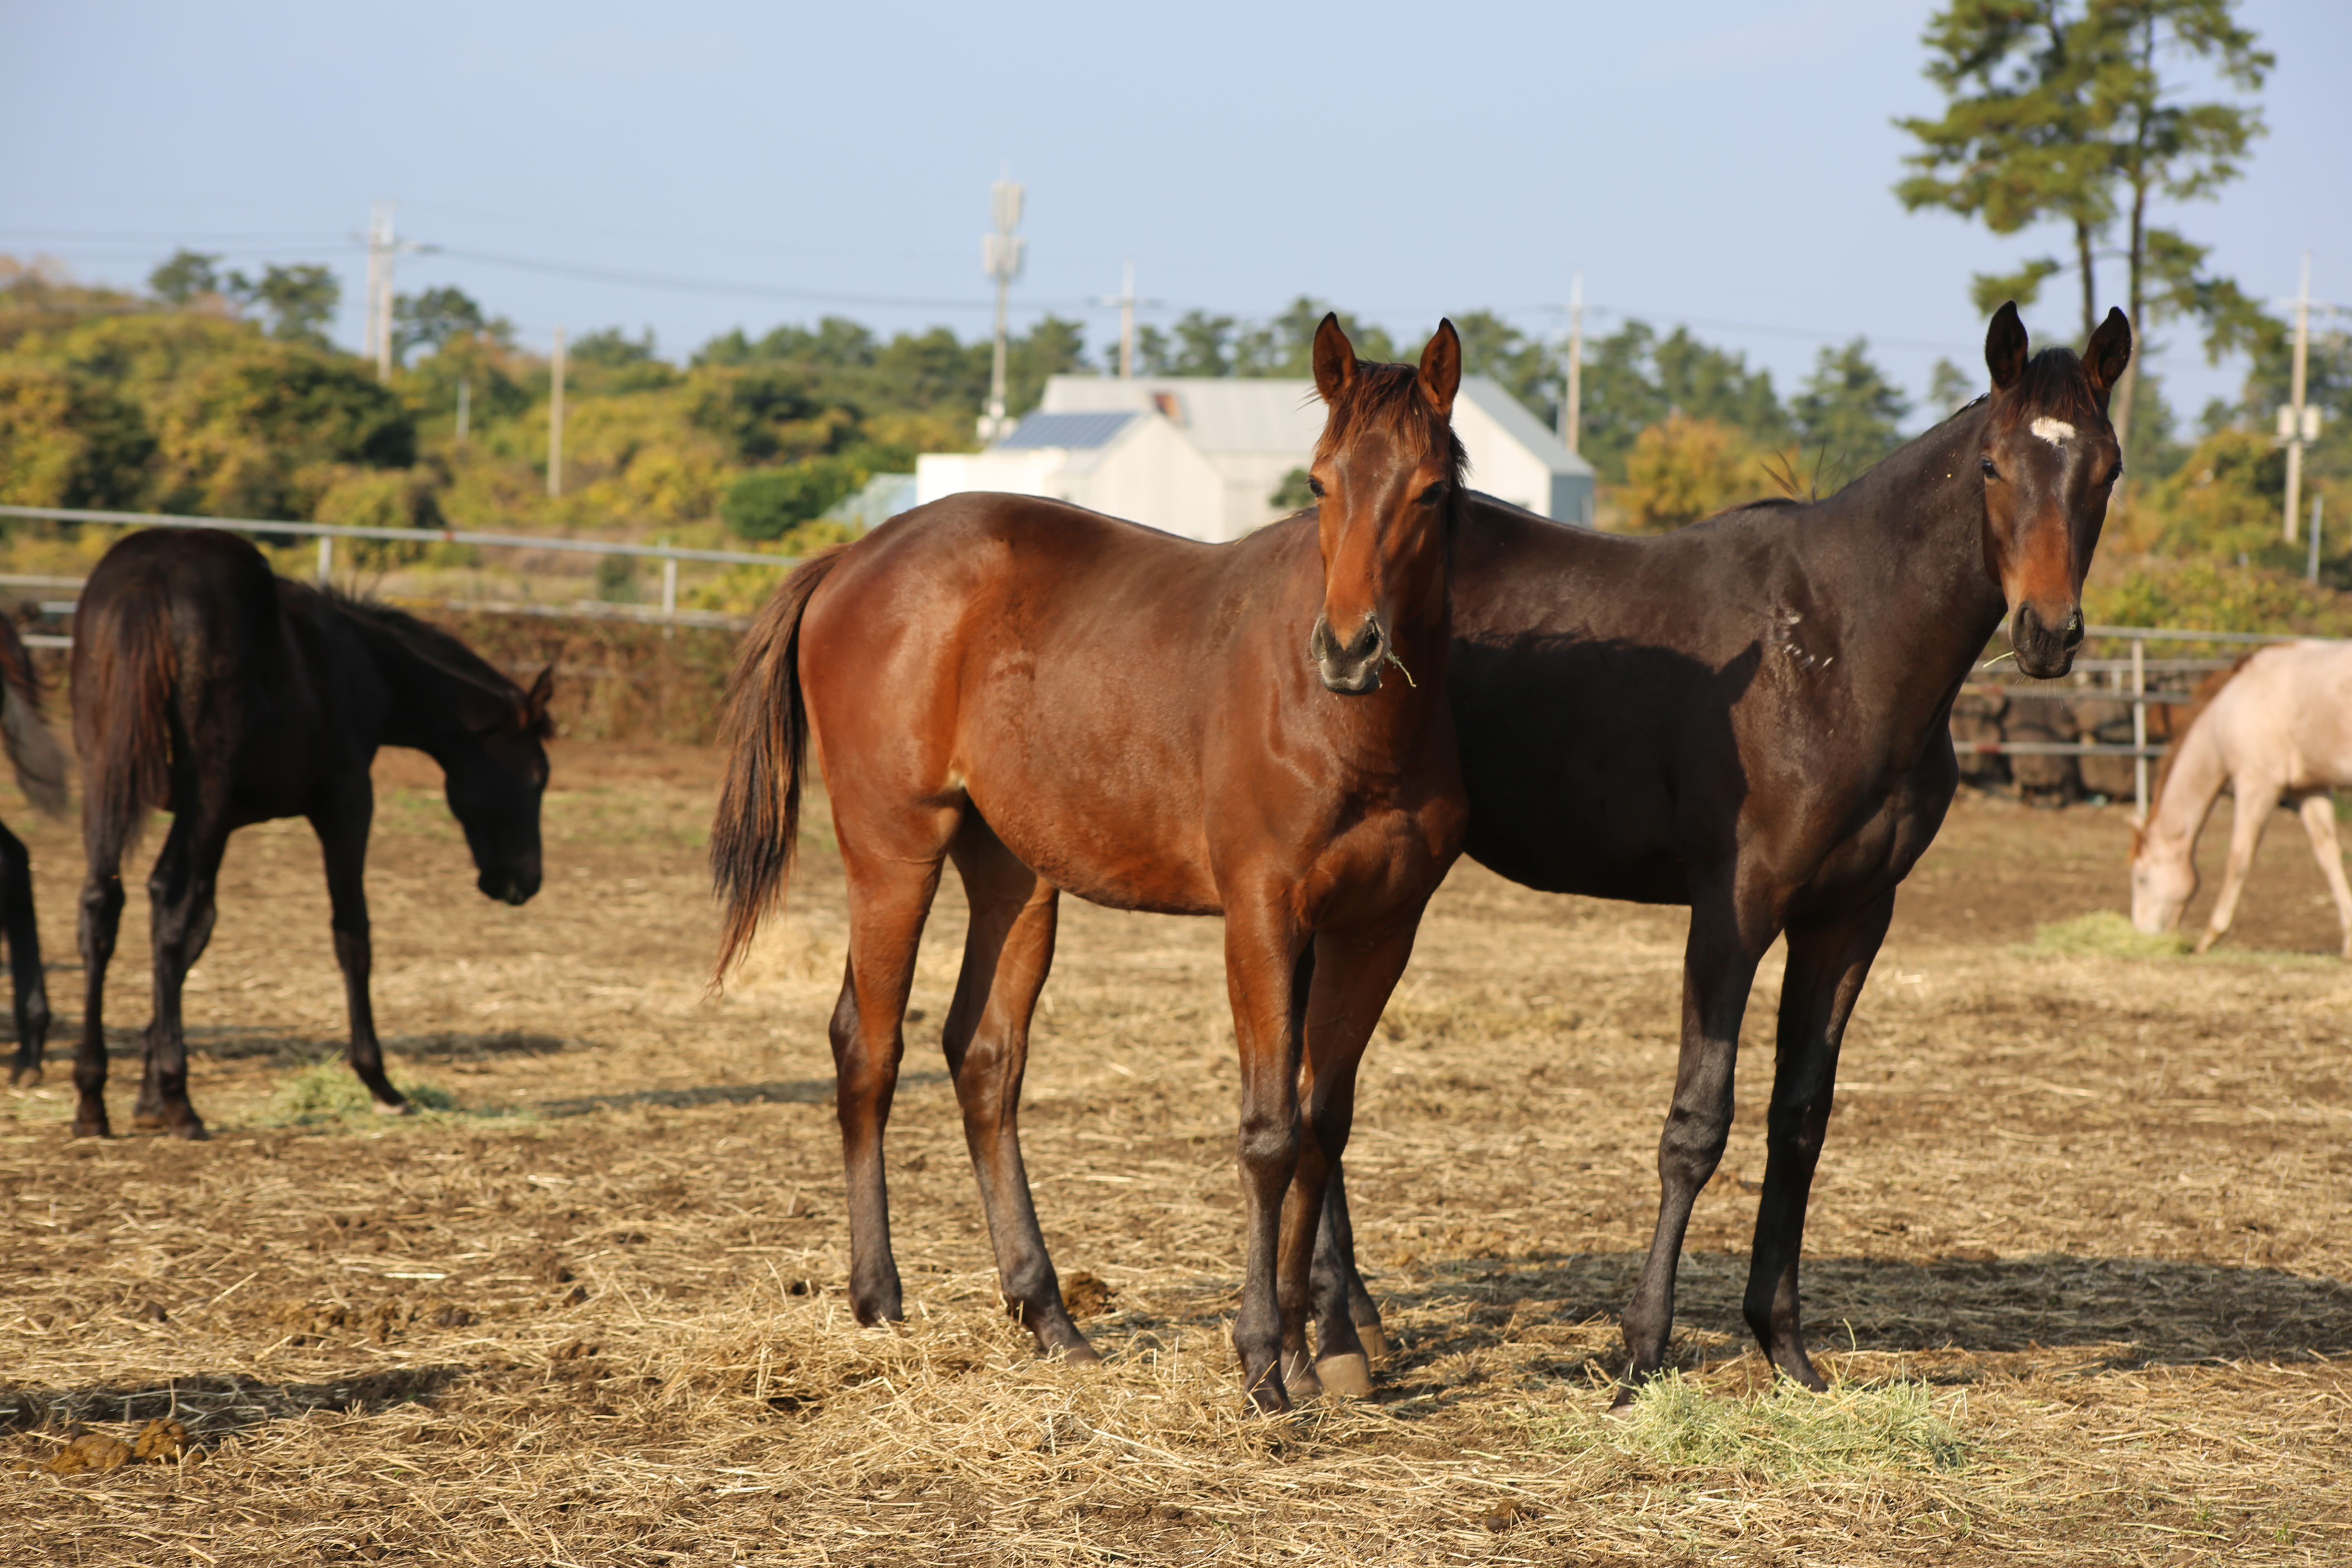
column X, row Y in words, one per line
column 1751, row 717
column 40, row 767
column 1053, row 699
column 204, row 686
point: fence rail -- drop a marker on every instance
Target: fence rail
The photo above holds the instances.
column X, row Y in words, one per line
column 669, row 555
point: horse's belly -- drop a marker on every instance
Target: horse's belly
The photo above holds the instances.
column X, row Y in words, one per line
column 1106, row 845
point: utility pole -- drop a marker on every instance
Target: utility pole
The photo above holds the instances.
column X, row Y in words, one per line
column 555, row 419
column 2297, row 423
column 375, row 340
column 1001, row 256
column 1572, row 408
column 376, row 333
column 464, row 406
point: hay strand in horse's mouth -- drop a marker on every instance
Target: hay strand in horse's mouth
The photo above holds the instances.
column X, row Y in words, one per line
column 1996, row 660
column 1409, row 681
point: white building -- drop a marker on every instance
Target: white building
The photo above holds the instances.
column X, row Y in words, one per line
column 1203, row 456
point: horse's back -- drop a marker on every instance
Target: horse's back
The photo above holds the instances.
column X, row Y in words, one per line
column 2289, row 709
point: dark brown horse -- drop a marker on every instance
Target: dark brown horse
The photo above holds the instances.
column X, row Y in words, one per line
column 41, row 765
column 206, row 686
column 1054, row 699
column 1751, row 717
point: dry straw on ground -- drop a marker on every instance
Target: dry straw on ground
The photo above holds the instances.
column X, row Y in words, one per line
column 2076, row 1267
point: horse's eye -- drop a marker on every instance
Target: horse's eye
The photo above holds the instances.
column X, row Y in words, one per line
column 1434, row 494
column 1990, row 471
column 1315, row 487
column 2113, row 475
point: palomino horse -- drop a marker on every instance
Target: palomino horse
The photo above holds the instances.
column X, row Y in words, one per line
column 41, row 765
column 206, row 686
column 1056, row 699
column 2276, row 726
column 1751, row 717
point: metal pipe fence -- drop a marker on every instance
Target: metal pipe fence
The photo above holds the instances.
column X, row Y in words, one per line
column 2127, row 680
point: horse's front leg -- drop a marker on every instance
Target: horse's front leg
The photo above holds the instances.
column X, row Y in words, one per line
column 1339, row 1290
column 32, row 1000
column 2250, row 815
column 341, row 825
column 1353, row 975
column 1828, row 962
column 1268, row 964
column 1718, row 967
column 1008, row 950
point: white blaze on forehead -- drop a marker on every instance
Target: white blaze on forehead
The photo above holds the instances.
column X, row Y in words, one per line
column 2057, row 432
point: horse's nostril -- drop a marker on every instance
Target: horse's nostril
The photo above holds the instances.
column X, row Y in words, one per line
column 2075, row 631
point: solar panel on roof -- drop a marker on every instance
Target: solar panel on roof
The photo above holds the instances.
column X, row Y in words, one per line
column 1068, row 430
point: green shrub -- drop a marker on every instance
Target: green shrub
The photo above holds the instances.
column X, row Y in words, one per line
column 769, row 503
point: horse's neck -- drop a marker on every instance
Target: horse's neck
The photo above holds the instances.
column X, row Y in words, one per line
column 1912, row 533
column 2190, row 787
column 426, row 703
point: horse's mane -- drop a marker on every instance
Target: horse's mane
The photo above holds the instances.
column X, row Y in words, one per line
column 1385, row 400
column 430, row 643
column 2201, row 699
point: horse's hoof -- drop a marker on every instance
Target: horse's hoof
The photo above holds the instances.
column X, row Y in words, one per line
column 398, row 1108
column 1077, row 1353
column 149, row 1122
column 87, row 1128
column 1375, row 1341
column 25, row 1078
column 1347, row 1376
column 192, row 1130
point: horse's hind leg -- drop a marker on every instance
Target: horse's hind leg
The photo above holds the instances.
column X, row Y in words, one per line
column 180, row 896
column 2250, row 815
column 2318, row 813
column 101, row 920
column 1827, row 964
column 1008, row 950
column 892, row 878
column 32, row 1001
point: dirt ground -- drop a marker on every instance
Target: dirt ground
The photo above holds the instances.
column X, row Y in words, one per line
column 2078, row 1257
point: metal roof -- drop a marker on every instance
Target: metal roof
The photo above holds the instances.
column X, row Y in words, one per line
column 1079, row 431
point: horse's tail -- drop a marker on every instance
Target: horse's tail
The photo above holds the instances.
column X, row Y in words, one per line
column 40, row 761
column 2199, row 700
column 124, row 669
column 766, row 728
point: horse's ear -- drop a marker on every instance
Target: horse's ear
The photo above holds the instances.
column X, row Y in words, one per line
column 536, row 701
column 2106, row 354
column 1335, row 359
column 1441, row 368
column 2005, row 347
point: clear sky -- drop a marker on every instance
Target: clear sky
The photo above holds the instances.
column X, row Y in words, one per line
column 1724, row 164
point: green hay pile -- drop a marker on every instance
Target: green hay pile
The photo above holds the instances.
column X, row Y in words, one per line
column 1783, row 1434
column 2106, row 934
column 326, row 1092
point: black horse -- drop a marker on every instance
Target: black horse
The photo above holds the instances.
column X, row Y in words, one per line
column 41, row 765
column 1751, row 717
column 207, row 687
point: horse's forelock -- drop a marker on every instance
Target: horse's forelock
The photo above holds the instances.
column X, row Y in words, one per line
column 1385, row 400
column 2056, row 386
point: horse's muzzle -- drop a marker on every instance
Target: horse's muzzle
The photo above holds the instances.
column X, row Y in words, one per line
column 509, row 885
column 1353, row 670
column 2044, row 651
